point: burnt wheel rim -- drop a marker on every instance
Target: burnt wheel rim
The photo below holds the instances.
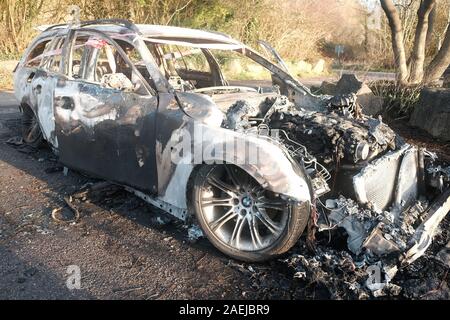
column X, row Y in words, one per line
column 239, row 212
column 32, row 131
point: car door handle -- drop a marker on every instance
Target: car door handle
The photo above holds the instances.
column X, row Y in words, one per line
column 38, row 89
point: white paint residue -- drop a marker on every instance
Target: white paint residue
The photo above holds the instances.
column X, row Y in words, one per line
column 45, row 109
column 176, row 190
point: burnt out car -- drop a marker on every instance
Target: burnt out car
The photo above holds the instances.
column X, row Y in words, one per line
column 214, row 133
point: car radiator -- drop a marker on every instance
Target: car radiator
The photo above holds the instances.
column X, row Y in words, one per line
column 391, row 180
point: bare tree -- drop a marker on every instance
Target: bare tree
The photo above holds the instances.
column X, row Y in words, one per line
column 431, row 26
column 15, row 17
column 415, row 74
column 418, row 53
column 397, row 40
column 440, row 63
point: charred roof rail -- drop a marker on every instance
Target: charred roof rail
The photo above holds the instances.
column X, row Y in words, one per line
column 123, row 22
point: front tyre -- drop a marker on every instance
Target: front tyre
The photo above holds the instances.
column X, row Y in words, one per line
column 240, row 218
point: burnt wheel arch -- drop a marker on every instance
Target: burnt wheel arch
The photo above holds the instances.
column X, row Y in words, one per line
column 291, row 222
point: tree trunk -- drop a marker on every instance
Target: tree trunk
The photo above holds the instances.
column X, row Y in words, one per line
column 431, row 26
column 398, row 46
column 12, row 24
column 440, row 63
column 418, row 53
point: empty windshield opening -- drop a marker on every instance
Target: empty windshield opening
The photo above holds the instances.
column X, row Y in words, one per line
column 238, row 69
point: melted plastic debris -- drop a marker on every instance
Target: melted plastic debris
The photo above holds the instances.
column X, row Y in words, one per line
column 332, row 272
column 439, row 176
column 341, row 275
column 375, row 233
column 237, row 115
column 379, row 130
column 195, row 233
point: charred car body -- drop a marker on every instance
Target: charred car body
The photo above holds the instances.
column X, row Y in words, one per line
column 258, row 162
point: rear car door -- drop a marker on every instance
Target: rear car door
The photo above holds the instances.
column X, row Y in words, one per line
column 43, row 71
column 26, row 70
column 105, row 116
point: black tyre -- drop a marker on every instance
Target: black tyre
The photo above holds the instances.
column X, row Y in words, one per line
column 240, row 218
column 31, row 131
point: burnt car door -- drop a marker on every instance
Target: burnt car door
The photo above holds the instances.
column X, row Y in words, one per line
column 41, row 82
column 105, row 114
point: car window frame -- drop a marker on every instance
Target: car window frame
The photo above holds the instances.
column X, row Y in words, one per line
column 242, row 54
column 38, row 42
column 182, row 56
column 111, row 41
column 44, row 65
column 86, row 53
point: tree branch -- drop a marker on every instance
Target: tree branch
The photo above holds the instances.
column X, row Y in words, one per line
column 440, row 63
column 397, row 39
column 177, row 11
column 420, row 39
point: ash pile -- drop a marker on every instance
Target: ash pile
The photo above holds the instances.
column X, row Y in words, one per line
column 386, row 198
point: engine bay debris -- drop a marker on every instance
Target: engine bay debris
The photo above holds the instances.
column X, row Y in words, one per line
column 388, row 196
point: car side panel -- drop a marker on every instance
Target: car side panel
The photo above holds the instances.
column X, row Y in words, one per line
column 107, row 133
column 42, row 87
column 34, row 87
column 22, row 85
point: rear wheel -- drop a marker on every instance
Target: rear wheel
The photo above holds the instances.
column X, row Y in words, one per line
column 31, row 132
column 242, row 219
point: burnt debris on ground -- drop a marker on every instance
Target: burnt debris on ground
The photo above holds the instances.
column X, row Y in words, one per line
column 332, row 272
